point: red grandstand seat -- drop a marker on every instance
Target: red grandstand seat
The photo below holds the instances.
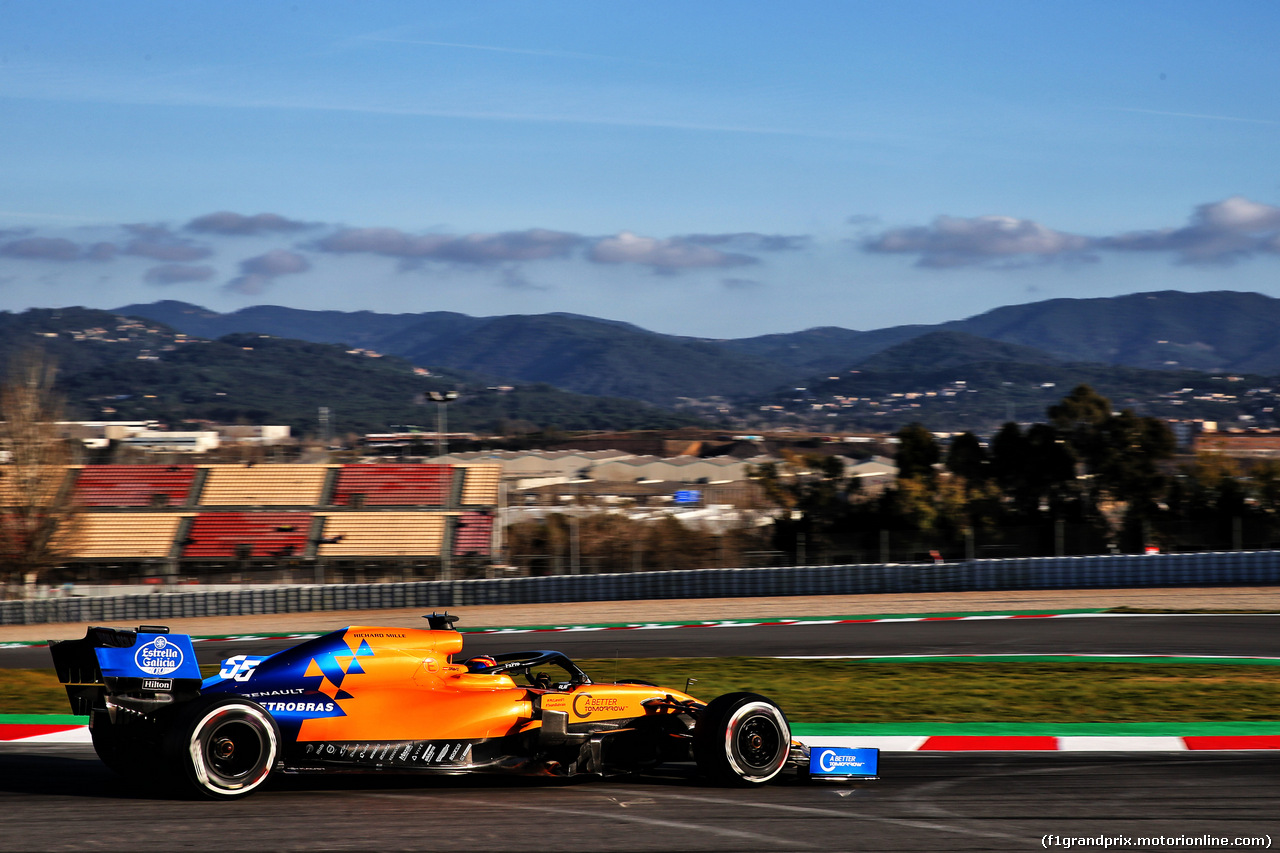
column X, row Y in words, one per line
column 134, row 485
column 248, row 534
column 393, row 485
column 473, row 535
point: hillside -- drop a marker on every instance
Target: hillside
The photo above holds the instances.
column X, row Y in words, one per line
column 592, row 357
column 580, row 354
column 982, row 395
column 1219, row 330
column 947, row 350
column 1166, row 330
column 1171, row 341
column 116, row 368
column 356, row 328
column 824, row 349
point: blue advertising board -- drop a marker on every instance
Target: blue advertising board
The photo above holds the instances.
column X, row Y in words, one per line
column 843, row 762
column 688, row 496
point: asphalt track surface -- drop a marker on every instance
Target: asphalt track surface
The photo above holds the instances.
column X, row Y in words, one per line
column 1225, row 635
column 62, row 798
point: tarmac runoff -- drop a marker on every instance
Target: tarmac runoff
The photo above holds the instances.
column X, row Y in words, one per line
column 1169, row 600
column 659, row 626
column 1090, row 613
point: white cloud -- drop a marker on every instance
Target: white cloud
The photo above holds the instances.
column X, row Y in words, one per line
column 1218, row 232
column 235, row 224
column 663, row 255
column 953, row 241
column 178, row 273
column 479, row 248
column 257, row 273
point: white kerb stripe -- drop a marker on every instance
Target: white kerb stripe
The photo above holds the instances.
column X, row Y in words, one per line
column 1120, row 743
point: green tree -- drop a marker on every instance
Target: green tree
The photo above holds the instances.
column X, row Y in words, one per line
column 1129, row 450
column 814, row 494
column 967, row 458
column 918, row 452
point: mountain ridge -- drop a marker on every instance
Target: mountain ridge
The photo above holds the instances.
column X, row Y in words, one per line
column 1156, row 330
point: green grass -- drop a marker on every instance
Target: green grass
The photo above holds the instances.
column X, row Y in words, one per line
column 1242, row 611
column 851, row 691
column 32, row 691
column 858, row 692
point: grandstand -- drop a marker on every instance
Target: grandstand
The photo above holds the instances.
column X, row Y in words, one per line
column 473, row 535
column 30, row 485
column 194, row 520
column 117, row 536
column 263, row 485
column 133, row 485
column 480, row 484
column 383, row 534
column 243, row 535
column 393, row 485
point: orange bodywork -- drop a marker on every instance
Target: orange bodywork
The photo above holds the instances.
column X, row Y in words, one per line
column 399, row 684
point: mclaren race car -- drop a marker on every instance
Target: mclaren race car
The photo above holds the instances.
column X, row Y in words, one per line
column 367, row 699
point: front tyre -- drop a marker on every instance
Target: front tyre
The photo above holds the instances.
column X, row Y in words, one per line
column 224, row 746
column 741, row 739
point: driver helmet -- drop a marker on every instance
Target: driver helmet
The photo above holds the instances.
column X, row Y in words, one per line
column 481, row 663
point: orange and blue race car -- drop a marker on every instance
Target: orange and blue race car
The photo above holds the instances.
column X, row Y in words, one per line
column 368, row 699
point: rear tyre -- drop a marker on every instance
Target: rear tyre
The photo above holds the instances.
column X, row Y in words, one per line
column 224, row 747
column 741, row 739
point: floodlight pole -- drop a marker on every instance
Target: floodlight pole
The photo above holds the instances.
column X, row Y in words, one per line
column 442, row 399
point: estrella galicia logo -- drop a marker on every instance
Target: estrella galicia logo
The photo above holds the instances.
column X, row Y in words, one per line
column 158, row 657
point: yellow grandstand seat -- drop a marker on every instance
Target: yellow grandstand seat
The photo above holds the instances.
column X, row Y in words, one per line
column 382, row 534
column 121, row 535
column 480, row 484
column 264, row 485
column 23, row 485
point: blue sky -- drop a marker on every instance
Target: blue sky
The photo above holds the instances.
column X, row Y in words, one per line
column 711, row 169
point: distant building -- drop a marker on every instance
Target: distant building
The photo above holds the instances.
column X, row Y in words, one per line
column 1245, row 444
column 523, row 469
column 1186, row 432
column 148, row 436
column 678, row 469
column 265, row 434
column 164, row 441
column 874, row 473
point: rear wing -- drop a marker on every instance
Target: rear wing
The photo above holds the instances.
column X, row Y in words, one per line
column 140, row 670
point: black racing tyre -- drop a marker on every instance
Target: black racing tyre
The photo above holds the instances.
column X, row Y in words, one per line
column 741, row 739
column 225, row 747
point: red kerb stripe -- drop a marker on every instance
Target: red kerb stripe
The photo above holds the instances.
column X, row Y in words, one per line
column 994, row 742
column 14, row 731
column 1233, row 742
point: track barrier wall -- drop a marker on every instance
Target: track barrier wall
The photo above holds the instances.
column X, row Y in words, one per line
column 1228, row 568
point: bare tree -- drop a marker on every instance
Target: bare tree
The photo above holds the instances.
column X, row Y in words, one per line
column 36, row 513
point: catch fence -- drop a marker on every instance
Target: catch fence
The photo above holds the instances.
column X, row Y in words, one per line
column 1229, row 568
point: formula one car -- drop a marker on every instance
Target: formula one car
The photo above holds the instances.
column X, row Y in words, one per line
column 367, row 699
